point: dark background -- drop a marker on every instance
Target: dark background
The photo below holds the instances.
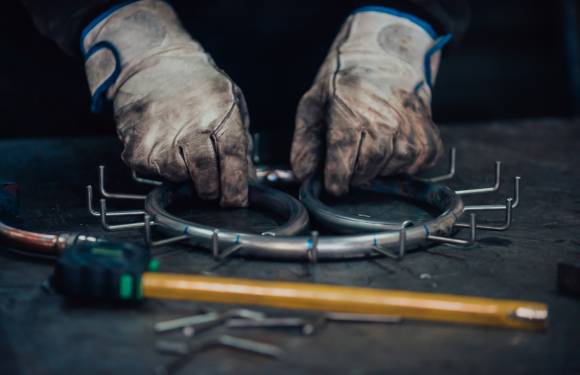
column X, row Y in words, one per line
column 519, row 59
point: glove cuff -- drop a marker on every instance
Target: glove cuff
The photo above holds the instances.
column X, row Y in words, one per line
column 118, row 40
column 431, row 57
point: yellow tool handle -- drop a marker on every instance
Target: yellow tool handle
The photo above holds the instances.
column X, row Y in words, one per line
column 424, row 306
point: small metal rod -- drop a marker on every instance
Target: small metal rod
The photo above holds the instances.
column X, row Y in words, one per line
column 145, row 181
column 148, row 238
column 456, row 241
column 449, row 175
column 362, row 318
column 187, row 321
column 220, row 319
column 490, row 189
column 215, row 244
column 312, row 249
column 251, row 346
column 384, row 252
column 96, row 213
column 403, row 237
column 499, row 207
column 306, row 326
column 230, row 251
column 106, row 194
column 291, row 322
column 111, row 228
column 500, row 228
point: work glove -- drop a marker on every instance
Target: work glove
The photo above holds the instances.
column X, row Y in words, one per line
column 368, row 112
column 178, row 115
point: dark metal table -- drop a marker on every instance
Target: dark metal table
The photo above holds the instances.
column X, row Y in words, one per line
column 40, row 333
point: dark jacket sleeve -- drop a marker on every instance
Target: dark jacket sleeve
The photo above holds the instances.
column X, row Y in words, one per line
column 63, row 20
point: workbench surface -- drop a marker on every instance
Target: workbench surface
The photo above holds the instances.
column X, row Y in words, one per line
column 40, row 333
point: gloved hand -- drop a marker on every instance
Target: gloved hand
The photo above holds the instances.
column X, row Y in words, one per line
column 369, row 108
column 178, row 115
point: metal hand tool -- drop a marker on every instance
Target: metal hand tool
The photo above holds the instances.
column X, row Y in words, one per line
column 80, row 272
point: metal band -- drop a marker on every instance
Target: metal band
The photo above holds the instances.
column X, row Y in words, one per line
column 438, row 196
column 278, row 244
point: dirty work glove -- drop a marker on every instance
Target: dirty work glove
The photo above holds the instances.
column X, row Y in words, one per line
column 178, row 115
column 369, row 109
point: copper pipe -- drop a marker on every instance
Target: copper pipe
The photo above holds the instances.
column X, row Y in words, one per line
column 30, row 241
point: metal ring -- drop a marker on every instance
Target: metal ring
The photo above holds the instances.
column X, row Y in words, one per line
column 283, row 246
column 275, row 201
column 432, row 194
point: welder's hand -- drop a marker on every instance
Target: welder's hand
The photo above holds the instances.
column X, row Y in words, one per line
column 178, row 115
column 369, row 108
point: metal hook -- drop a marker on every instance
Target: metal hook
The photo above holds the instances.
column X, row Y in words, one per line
column 230, row 251
column 403, row 237
column 95, row 213
column 106, row 194
column 449, row 175
column 402, row 243
column 505, row 226
column 455, row 241
column 499, row 207
column 145, row 181
column 384, row 252
column 312, row 248
column 149, row 243
column 119, row 227
column 490, row 189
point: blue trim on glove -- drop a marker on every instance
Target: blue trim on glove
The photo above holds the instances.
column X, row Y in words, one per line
column 101, row 17
column 97, row 97
column 416, row 20
column 439, row 44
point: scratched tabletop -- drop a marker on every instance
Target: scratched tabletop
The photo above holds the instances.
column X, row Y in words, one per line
column 40, row 333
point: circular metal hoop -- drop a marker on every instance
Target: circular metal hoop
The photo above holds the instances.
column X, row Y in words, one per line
column 275, row 201
column 434, row 195
column 280, row 244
